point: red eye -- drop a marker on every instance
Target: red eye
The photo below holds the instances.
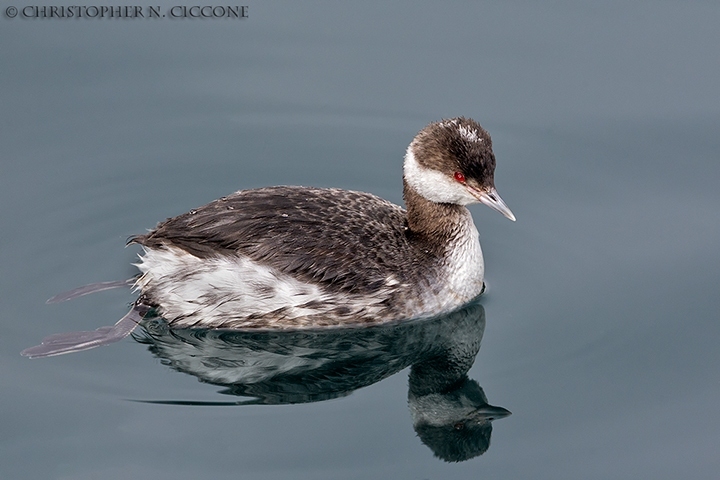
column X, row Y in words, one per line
column 459, row 177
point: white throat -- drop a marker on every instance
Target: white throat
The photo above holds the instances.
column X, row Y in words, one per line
column 465, row 265
column 433, row 185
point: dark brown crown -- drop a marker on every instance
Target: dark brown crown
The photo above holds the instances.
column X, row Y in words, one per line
column 457, row 145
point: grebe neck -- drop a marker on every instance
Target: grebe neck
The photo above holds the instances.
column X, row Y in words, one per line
column 436, row 222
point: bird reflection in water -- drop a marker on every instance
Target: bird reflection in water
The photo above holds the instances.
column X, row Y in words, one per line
column 450, row 411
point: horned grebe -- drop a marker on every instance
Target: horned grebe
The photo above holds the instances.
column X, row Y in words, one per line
column 286, row 257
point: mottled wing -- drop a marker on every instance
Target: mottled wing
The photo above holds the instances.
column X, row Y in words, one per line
column 348, row 241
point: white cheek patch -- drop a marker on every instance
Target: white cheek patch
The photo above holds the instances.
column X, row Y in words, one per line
column 434, row 185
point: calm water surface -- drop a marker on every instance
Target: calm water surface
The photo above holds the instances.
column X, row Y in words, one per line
column 600, row 327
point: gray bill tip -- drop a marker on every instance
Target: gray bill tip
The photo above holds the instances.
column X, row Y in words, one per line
column 492, row 199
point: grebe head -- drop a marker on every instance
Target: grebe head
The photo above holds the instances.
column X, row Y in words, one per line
column 452, row 162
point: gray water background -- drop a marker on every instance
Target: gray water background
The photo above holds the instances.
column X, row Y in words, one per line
column 602, row 312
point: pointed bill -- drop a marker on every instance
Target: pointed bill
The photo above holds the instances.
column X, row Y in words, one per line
column 492, row 199
column 490, row 412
